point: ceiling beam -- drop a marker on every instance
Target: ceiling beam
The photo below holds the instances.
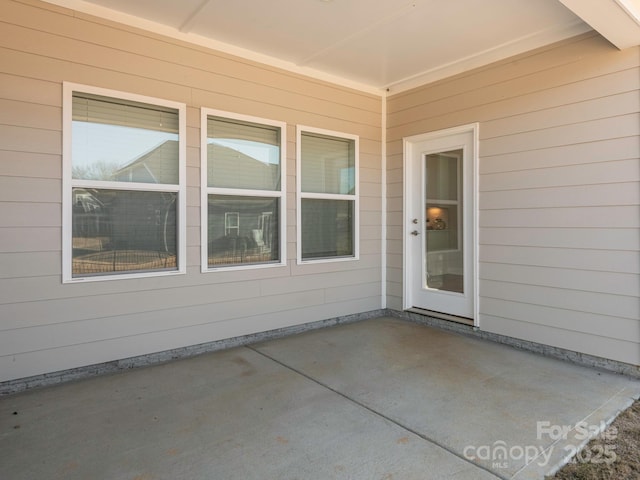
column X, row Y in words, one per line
column 616, row 20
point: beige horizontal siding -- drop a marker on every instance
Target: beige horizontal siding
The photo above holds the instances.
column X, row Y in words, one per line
column 19, row 289
column 30, row 214
column 573, row 196
column 47, row 326
column 572, row 217
column 271, row 293
column 622, row 350
column 488, row 86
column 60, row 358
column 29, row 264
column 587, row 237
column 578, row 154
column 502, row 102
column 606, row 305
column 589, row 131
column 620, row 261
column 78, row 26
column 614, row 172
column 559, row 200
column 35, row 239
column 30, row 140
column 613, row 283
column 29, row 90
column 569, row 53
column 586, row 322
column 28, row 164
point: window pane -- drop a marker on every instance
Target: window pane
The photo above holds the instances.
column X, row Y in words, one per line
column 442, row 175
column 118, row 140
column 116, row 231
column 243, row 230
column 242, row 155
column 328, row 164
column 327, row 228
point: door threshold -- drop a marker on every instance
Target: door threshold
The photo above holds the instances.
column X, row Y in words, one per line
column 442, row 316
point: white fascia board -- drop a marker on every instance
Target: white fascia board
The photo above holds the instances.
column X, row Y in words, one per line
column 616, row 20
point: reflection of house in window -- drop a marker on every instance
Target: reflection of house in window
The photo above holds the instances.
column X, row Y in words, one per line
column 229, row 168
column 242, row 229
column 155, row 166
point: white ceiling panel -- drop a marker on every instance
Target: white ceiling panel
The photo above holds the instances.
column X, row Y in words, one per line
column 290, row 29
column 439, row 33
column 372, row 44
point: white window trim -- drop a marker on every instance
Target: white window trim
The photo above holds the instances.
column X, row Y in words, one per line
column 68, row 183
column 205, row 190
column 327, row 196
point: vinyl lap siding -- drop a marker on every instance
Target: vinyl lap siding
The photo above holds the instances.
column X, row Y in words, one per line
column 559, row 191
column 46, row 326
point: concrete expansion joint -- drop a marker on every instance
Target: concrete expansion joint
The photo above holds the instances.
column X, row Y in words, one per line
column 374, row 412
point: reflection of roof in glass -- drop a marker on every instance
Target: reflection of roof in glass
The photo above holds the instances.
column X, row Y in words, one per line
column 158, row 165
column 228, row 168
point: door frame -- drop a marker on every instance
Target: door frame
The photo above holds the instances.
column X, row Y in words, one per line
column 408, row 194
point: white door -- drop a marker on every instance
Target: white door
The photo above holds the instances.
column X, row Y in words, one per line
column 440, row 222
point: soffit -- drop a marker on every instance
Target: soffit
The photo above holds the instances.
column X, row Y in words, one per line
column 365, row 44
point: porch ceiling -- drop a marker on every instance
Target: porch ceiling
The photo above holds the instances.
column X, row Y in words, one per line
column 371, row 45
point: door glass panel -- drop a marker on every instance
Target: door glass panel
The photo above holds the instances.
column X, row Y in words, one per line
column 443, row 221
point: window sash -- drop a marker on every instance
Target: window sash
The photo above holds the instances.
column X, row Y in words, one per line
column 344, row 188
column 241, row 230
column 328, row 164
column 328, row 230
column 263, row 178
column 243, row 155
column 123, row 231
column 173, row 115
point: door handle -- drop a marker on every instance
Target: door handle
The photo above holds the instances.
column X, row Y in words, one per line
column 415, row 233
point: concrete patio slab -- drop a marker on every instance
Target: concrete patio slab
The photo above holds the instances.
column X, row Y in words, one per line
column 378, row 399
column 497, row 406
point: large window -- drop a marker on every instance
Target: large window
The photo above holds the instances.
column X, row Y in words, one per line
column 124, row 170
column 327, row 195
column 243, row 191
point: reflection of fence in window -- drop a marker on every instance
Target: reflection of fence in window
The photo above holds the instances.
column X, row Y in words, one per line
column 122, row 231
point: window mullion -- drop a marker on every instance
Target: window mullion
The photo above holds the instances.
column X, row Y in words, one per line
column 327, row 196
column 244, row 192
column 149, row 187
